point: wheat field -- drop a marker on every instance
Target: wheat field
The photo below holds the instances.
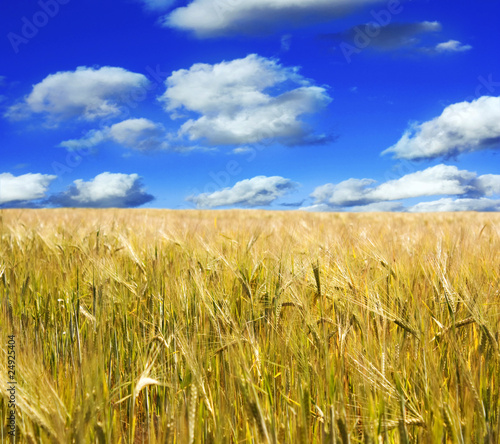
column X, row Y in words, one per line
column 161, row 326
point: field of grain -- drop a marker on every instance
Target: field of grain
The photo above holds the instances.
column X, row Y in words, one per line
column 245, row 326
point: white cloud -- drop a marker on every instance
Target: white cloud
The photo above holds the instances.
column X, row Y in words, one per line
column 433, row 181
column 209, row 18
column 106, row 190
column 348, row 192
column 317, row 208
column 373, row 207
column 449, row 204
column 258, row 191
column 86, row 93
column 452, row 46
column 235, row 106
column 440, row 180
column 243, row 150
column 462, row 127
column 441, row 205
column 89, row 140
column 23, row 188
column 139, row 134
column 489, row 184
column 376, row 207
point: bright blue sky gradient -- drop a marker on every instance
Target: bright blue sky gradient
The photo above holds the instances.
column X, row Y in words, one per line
column 363, row 105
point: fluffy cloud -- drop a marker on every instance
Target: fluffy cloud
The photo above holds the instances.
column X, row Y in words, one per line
column 139, row 134
column 106, row 190
column 258, row 191
column 434, row 181
column 209, row 18
column 235, row 107
column 462, row 127
column 389, row 37
column 448, row 204
column 89, row 140
column 488, row 185
column 348, row 192
column 452, row 46
column 85, row 93
column 440, row 180
column 23, row 188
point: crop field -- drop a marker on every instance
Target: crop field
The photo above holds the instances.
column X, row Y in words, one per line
column 159, row 326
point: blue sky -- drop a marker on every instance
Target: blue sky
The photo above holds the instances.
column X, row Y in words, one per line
column 319, row 105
